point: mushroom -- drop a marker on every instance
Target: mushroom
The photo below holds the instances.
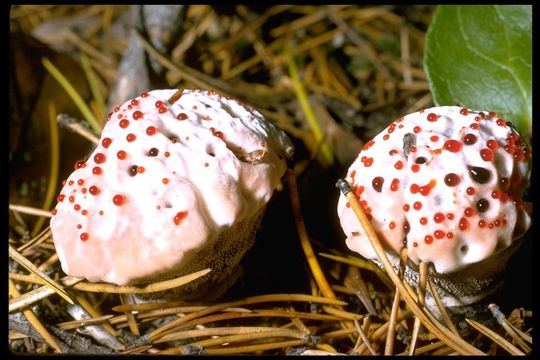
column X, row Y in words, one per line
column 446, row 183
column 178, row 182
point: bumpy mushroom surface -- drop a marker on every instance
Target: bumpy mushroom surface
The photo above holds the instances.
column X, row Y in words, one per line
column 165, row 182
column 445, row 182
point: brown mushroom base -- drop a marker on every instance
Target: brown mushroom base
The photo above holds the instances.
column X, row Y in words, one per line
column 466, row 292
column 223, row 257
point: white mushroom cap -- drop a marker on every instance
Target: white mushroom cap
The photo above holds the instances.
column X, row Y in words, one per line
column 452, row 195
column 162, row 185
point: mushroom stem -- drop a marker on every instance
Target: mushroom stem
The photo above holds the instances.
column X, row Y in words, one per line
column 423, row 270
column 433, row 325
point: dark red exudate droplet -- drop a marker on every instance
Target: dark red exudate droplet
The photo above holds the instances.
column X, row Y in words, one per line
column 137, row 115
column 124, row 123
column 84, row 236
column 181, row 116
column 121, row 154
column 118, row 200
column 133, row 170
column 452, row 179
column 469, row 139
column 131, row 137
column 478, row 174
column 153, row 152
column 452, row 145
column 378, row 183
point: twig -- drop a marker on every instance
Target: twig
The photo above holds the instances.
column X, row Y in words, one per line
column 499, row 340
column 423, row 270
column 30, row 210
column 76, row 126
column 390, row 335
column 27, row 264
column 501, row 319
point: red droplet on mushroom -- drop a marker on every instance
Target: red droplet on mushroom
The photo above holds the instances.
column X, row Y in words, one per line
column 486, row 154
column 452, row 179
column 406, row 207
column 501, row 122
column 492, row 144
column 77, row 207
column 470, row 190
column 450, row 216
column 417, row 129
column 167, row 154
column 96, row 170
column 415, row 168
column 162, row 110
column 393, row 152
column 153, row 152
column 398, row 165
column 182, row 116
column 151, row 130
column 495, row 194
column 368, row 144
column 434, row 138
column 439, row 234
column 100, row 158
column 463, row 224
column 106, row 142
column 124, row 123
column 118, row 200
column 438, row 217
column 474, row 126
column 432, row 117
column 53, row 212
column 131, row 137
column 71, row 199
column 423, row 220
column 60, row 197
column 137, row 115
column 79, row 164
column 452, row 145
column 368, row 162
column 121, row 154
column 464, row 111
column 141, row 169
column 469, row 139
column 84, row 236
column 179, row 217
column 449, row 234
column 426, row 189
column 469, row 212
column 392, row 225
column 134, row 102
column 394, row 186
column 165, row 181
column 71, row 182
column 94, row 190
column 417, row 205
column 428, row 239
column 377, row 183
column 415, row 188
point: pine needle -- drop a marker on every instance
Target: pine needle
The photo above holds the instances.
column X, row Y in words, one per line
column 59, row 289
column 73, row 94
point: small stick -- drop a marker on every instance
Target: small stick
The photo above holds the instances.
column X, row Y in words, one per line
column 59, row 289
column 30, row 210
column 129, row 316
column 174, row 98
column 441, row 307
column 75, row 125
column 502, row 342
column 501, row 319
column 421, row 300
column 390, row 335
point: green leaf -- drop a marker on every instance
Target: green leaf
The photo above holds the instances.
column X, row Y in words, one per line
column 480, row 57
